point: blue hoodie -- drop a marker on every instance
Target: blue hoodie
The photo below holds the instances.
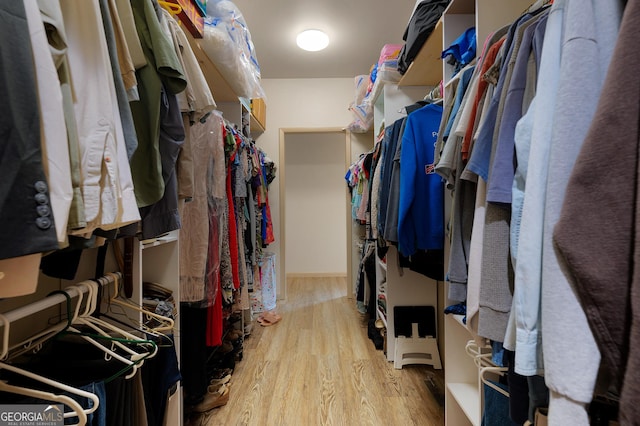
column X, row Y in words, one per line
column 421, row 210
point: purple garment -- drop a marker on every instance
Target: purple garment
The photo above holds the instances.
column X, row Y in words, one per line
column 503, row 166
column 481, row 154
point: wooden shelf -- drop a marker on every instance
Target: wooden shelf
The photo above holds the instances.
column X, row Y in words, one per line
column 468, row 398
column 221, row 90
column 255, row 125
column 461, row 7
column 426, row 68
column 154, row 242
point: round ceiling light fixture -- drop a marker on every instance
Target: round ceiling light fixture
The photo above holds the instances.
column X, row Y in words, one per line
column 312, row 40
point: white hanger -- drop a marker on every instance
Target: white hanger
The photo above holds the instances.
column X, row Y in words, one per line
column 166, row 323
column 55, row 384
column 48, row 396
column 99, row 326
column 136, row 359
column 35, row 341
column 496, row 370
column 4, row 350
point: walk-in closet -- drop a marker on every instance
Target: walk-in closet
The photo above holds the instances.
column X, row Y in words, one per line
column 418, row 212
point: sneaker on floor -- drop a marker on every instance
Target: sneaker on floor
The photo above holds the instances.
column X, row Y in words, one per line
column 217, row 398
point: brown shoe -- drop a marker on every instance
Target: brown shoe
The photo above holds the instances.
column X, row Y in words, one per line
column 223, row 381
column 213, row 400
column 233, row 335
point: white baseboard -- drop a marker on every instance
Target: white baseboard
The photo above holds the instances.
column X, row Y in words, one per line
column 316, row 275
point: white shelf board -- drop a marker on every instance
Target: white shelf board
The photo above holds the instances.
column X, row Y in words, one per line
column 468, row 398
column 458, row 319
column 154, row 242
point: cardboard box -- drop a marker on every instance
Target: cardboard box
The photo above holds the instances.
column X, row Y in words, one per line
column 259, row 111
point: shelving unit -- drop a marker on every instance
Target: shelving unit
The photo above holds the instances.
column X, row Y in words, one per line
column 158, row 261
column 463, row 391
column 410, row 288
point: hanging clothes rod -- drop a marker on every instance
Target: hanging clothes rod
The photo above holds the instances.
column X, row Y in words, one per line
column 53, row 300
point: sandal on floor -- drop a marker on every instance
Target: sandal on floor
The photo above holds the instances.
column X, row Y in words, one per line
column 268, row 318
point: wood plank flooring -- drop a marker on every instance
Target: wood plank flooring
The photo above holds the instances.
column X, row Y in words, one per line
column 318, row 367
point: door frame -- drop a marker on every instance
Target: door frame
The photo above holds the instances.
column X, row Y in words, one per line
column 282, row 196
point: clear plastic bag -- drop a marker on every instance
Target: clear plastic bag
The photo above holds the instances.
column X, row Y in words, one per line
column 227, row 42
column 361, row 108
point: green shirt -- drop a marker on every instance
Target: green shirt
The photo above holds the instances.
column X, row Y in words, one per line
column 163, row 68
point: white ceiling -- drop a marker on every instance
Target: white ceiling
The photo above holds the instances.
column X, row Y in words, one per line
column 357, row 31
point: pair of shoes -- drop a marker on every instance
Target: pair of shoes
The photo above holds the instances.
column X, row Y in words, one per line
column 219, row 374
column 268, row 318
column 218, row 382
column 233, row 335
column 215, row 397
column 226, row 347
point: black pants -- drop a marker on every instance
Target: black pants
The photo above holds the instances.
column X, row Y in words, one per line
column 193, row 353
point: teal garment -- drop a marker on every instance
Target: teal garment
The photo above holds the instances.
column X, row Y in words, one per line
column 163, row 68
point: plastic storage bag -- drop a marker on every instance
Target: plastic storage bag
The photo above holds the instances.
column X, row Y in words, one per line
column 227, row 42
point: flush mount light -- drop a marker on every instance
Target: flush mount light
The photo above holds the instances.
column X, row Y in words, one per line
column 312, row 40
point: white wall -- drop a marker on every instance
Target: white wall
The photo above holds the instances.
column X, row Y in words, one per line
column 308, row 103
column 316, row 214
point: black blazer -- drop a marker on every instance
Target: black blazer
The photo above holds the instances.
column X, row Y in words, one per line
column 26, row 220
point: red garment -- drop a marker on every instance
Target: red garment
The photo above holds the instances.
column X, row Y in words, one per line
column 268, row 238
column 233, row 234
column 488, row 61
column 214, row 320
column 214, row 286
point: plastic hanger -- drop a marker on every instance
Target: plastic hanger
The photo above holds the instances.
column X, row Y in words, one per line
column 4, row 350
column 34, row 342
column 136, row 359
column 166, row 323
column 496, row 370
column 87, row 319
column 172, row 8
column 78, row 411
column 55, row 384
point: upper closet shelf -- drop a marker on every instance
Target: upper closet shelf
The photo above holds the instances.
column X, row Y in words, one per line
column 426, row 68
column 460, row 7
column 223, row 91
column 220, row 88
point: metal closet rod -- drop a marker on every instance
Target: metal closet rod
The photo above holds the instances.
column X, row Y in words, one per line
column 53, row 300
